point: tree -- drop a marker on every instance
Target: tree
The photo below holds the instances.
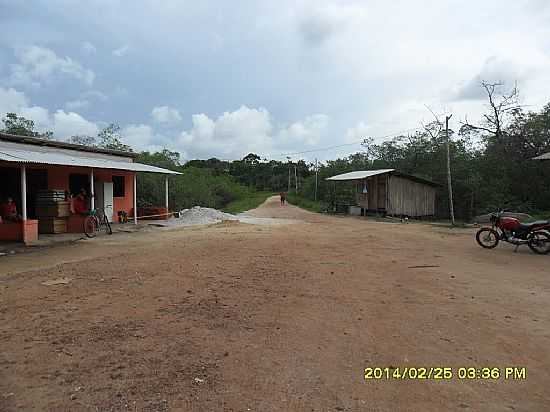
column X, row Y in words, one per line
column 252, row 159
column 110, row 138
column 502, row 106
column 20, row 126
column 83, row 140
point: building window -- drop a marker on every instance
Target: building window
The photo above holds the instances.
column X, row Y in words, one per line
column 119, row 188
column 78, row 182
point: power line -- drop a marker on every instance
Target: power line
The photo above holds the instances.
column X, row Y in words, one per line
column 348, row 144
column 328, row 147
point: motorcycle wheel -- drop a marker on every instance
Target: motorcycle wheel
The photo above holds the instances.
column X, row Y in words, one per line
column 539, row 242
column 487, row 238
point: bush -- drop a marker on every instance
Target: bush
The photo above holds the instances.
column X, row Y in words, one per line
column 311, row 205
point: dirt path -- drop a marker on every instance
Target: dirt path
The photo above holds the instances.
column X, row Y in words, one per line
column 274, row 318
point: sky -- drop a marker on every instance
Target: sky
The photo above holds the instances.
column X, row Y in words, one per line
column 223, row 79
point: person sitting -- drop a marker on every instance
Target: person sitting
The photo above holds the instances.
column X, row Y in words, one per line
column 8, row 211
column 80, row 204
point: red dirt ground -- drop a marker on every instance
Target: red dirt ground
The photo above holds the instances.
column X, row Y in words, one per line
column 239, row 317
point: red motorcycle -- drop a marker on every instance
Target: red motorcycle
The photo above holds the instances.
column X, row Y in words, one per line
column 536, row 235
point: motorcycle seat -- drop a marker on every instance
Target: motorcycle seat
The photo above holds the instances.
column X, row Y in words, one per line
column 534, row 224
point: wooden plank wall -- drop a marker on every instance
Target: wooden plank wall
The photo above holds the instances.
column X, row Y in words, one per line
column 410, row 198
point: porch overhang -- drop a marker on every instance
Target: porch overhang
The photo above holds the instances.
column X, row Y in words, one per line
column 22, row 153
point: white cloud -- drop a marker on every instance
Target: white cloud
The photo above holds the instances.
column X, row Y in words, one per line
column 39, row 64
column 95, row 94
column 494, row 70
column 230, row 136
column 85, row 100
column 11, row 101
column 77, row 104
column 234, row 134
column 371, row 61
column 143, row 137
column 357, row 133
column 318, row 23
column 138, row 135
column 88, row 48
column 63, row 124
column 41, row 117
column 121, row 51
column 307, row 131
column 69, row 124
column 165, row 114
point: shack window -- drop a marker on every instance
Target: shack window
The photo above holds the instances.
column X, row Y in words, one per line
column 119, row 189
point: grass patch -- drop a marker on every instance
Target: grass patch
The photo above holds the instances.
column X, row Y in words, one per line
column 311, row 205
column 541, row 215
column 250, row 201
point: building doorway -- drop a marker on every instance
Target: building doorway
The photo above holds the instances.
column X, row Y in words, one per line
column 37, row 179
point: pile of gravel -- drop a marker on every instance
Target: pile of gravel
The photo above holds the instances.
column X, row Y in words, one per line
column 203, row 216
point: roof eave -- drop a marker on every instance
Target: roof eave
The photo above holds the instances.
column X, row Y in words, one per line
column 37, row 141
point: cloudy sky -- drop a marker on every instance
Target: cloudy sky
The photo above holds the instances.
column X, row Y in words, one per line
column 218, row 78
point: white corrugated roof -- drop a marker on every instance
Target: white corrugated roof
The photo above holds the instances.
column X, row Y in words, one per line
column 360, row 174
column 28, row 153
column 545, row 156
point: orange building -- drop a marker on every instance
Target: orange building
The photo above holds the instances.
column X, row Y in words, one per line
column 30, row 167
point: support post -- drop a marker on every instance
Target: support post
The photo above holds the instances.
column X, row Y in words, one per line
column 135, row 199
column 24, row 193
column 92, row 190
column 449, row 183
column 166, row 193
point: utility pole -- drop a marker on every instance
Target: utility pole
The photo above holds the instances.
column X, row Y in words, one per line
column 449, row 183
column 288, row 189
column 316, row 178
column 296, row 178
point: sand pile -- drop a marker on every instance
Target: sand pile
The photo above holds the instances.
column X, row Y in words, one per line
column 203, row 216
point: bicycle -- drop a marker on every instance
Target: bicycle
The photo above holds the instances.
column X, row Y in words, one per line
column 95, row 220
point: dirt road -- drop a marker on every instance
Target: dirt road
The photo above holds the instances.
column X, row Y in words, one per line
column 274, row 318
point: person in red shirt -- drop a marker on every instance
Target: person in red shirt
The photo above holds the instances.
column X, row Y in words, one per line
column 8, row 211
column 80, row 203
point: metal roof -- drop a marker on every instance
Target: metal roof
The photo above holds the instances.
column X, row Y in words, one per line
column 63, row 145
column 360, row 174
column 545, row 156
column 34, row 154
column 363, row 174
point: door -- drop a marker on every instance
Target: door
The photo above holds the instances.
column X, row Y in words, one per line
column 104, row 198
column 108, row 200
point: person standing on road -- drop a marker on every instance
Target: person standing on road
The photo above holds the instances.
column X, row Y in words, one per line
column 283, row 198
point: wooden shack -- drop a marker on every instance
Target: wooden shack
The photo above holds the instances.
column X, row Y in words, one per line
column 389, row 192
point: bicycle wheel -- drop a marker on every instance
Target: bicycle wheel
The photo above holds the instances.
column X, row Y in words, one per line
column 90, row 226
column 107, row 225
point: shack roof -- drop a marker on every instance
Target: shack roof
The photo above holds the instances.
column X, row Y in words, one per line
column 360, row 174
column 364, row 174
column 22, row 149
column 545, row 156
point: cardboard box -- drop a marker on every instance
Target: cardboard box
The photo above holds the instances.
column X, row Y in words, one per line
column 52, row 225
column 57, row 209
